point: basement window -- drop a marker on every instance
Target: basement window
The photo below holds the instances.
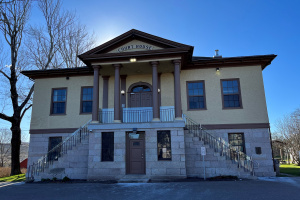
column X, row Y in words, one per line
column 107, row 153
column 258, row 150
column 164, row 145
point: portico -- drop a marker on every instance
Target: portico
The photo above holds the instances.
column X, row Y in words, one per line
column 120, row 105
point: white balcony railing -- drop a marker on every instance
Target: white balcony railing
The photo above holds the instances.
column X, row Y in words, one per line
column 137, row 115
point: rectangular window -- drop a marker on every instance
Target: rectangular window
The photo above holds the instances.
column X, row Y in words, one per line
column 86, row 100
column 107, row 146
column 258, row 150
column 231, row 93
column 164, row 145
column 53, row 142
column 237, row 141
column 59, row 99
column 196, row 95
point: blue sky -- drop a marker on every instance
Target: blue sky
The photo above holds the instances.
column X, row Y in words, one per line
column 236, row 28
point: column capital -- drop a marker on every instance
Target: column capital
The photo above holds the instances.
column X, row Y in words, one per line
column 96, row 66
column 154, row 63
column 117, row 65
column 105, row 77
column 123, row 76
column 176, row 61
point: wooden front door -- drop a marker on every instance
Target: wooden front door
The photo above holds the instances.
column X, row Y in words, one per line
column 140, row 96
column 135, row 153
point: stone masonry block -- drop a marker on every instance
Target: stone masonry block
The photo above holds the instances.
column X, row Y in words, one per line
column 181, row 145
column 173, row 171
column 161, row 171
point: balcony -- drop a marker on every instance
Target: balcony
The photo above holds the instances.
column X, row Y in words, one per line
column 137, row 115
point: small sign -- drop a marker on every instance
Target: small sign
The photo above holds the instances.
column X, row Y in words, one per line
column 135, row 46
column 203, row 151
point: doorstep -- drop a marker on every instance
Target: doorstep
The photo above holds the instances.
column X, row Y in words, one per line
column 134, row 178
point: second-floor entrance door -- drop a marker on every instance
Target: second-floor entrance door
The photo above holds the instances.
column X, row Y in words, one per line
column 140, row 96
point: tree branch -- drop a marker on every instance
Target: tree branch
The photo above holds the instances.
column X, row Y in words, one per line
column 27, row 98
column 5, row 117
column 4, row 74
column 24, row 111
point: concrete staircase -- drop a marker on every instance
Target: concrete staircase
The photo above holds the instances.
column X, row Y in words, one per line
column 215, row 164
column 73, row 165
column 72, row 159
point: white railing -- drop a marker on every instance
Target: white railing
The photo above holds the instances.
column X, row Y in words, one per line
column 137, row 115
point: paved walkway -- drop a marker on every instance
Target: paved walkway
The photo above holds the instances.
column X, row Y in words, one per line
column 273, row 188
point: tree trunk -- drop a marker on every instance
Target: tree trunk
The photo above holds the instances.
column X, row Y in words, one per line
column 15, row 148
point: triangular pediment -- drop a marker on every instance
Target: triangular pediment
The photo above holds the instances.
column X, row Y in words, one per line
column 135, row 40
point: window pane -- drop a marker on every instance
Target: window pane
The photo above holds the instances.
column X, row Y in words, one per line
column 196, row 95
column 58, row 108
column 53, row 142
column 59, row 95
column 87, row 106
column 235, row 83
column 231, row 94
column 164, row 145
column 107, row 146
column 236, row 140
column 87, row 94
column 141, row 88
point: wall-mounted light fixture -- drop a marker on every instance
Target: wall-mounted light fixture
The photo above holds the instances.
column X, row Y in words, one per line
column 218, row 69
column 132, row 59
column 158, row 90
column 122, row 92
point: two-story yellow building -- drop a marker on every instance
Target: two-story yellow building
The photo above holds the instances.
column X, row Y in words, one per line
column 145, row 107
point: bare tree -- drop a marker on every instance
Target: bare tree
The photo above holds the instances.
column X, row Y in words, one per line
column 289, row 131
column 76, row 41
column 5, row 137
column 13, row 19
column 57, row 44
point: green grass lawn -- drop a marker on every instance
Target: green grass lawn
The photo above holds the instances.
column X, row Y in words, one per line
column 15, row 178
column 290, row 169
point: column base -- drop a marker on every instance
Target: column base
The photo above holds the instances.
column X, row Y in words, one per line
column 178, row 119
column 117, row 121
column 94, row 122
column 155, row 120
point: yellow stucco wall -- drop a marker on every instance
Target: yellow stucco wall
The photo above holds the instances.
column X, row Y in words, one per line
column 41, row 118
column 251, row 82
column 252, row 90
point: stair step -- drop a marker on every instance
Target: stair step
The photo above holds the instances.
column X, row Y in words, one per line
column 132, row 178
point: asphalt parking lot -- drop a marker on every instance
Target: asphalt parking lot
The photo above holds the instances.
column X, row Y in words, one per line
column 274, row 188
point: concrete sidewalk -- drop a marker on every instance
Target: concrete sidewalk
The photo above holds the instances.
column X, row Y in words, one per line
column 245, row 190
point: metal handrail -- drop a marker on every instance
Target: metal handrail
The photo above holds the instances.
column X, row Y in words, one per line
column 221, row 146
column 58, row 151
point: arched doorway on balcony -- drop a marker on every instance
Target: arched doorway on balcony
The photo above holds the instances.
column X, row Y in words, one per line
column 140, row 95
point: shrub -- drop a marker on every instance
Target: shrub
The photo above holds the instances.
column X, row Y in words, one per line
column 65, row 179
column 5, row 171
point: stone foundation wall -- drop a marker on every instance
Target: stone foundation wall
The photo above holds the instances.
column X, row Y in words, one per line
column 154, row 168
column 219, row 166
column 73, row 164
column 254, row 138
column 38, row 145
